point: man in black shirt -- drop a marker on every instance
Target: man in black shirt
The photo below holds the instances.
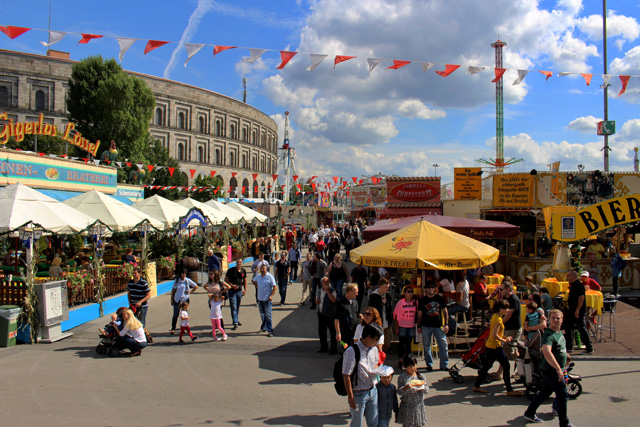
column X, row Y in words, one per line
column 359, row 275
column 432, row 320
column 575, row 316
column 283, row 269
column 237, row 278
column 347, row 315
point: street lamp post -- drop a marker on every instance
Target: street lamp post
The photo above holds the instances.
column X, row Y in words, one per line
column 435, row 169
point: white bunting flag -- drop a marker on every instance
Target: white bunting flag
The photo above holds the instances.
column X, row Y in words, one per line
column 255, row 55
column 124, row 44
column 316, row 59
column 521, row 75
column 474, row 70
column 139, row 166
column 192, row 49
column 96, row 161
column 54, row 37
column 564, row 73
column 427, row 65
column 158, row 167
column 373, row 63
column 119, row 164
column 605, row 80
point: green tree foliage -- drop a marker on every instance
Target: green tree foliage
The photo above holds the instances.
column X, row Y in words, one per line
column 206, row 195
column 46, row 144
column 159, row 155
column 108, row 104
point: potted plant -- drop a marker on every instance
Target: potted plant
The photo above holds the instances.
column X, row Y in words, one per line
column 125, row 271
column 166, row 266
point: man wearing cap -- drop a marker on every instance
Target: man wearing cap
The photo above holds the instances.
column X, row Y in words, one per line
column 575, row 317
column 589, row 283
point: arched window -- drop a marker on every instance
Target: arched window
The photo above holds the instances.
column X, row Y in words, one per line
column 232, row 159
column 253, row 163
column 4, row 96
column 263, row 140
column 201, row 124
column 218, row 128
column 233, row 184
column 245, row 185
column 233, row 131
column 262, row 166
column 181, row 151
column 181, row 120
column 218, row 157
column 245, row 133
column 253, row 137
column 255, row 189
column 201, row 154
column 262, row 189
column 159, row 121
column 244, row 161
column 40, row 101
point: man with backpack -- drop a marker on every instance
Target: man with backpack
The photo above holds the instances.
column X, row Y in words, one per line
column 358, row 373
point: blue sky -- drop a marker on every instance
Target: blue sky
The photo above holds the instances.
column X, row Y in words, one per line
column 349, row 122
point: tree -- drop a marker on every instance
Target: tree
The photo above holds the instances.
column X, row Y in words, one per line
column 108, row 104
column 208, row 194
column 159, row 155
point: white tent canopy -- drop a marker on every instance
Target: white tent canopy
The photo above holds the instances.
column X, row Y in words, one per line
column 248, row 213
column 20, row 205
column 225, row 211
column 117, row 215
column 214, row 215
column 164, row 210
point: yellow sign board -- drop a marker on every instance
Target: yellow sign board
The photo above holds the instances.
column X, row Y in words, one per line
column 513, row 190
column 467, row 183
column 595, row 218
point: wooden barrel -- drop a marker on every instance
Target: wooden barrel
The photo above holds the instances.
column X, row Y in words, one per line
column 190, row 263
column 193, row 275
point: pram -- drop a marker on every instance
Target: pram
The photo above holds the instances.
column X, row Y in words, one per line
column 471, row 359
column 108, row 338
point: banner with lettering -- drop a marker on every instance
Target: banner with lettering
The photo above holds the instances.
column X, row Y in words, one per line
column 413, row 190
column 467, row 183
column 513, row 190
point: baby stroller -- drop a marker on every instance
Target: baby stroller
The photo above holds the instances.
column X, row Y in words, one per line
column 472, row 358
column 108, row 337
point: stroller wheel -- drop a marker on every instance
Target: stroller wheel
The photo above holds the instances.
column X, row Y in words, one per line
column 458, row 379
column 574, row 389
column 488, row 378
column 114, row 352
column 532, row 390
column 100, row 349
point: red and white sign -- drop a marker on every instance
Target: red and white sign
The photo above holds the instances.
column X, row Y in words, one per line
column 406, row 190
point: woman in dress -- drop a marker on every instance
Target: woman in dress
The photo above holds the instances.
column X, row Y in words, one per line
column 412, row 387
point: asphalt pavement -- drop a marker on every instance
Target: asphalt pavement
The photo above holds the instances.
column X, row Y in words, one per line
column 252, row 379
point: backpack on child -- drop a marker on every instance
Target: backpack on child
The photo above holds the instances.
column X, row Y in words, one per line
column 337, row 372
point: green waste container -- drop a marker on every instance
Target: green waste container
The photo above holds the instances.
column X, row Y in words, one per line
column 8, row 325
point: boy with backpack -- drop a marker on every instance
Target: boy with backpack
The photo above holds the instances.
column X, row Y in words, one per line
column 360, row 377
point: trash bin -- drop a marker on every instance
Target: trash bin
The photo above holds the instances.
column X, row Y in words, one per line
column 8, row 325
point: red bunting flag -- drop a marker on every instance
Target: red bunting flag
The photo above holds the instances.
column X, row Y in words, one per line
column 313, row 184
column 213, row 174
column 192, row 172
column 547, row 73
column 449, row 68
column 498, row 72
column 171, row 171
column 335, row 179
column 355, row 179
column 86, row 38
column 587, row 77
column 215, row 190
column 254, row 175
column 341, row 58
column 274, row 177
column 218, row 49
column 360, row 182
column 233, row 174
column 295, row 178
column 86, row 161
column 313, row 177
column 13, row 32
column 153, row 44
column 625, row 81
column 255, row 189
column 41, row 154
column 398, row 64
column 299, row 187
column 286, row 57
column 150, row 167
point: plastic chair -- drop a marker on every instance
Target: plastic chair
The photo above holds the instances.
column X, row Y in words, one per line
column 608, row 311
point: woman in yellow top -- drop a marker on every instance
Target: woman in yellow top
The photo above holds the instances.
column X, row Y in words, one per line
column 494, row 350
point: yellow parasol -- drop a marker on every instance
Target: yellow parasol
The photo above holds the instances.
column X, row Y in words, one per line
column 426, row 246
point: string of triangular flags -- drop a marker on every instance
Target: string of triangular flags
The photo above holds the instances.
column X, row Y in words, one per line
column 316, row 59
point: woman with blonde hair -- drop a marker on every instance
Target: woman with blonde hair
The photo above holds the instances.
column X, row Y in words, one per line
column 371, row 315
column 132, row 335
column 55, row 271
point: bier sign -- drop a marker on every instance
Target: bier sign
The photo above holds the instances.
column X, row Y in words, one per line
column 467, row 183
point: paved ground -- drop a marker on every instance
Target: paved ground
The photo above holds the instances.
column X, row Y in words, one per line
column 254, row 380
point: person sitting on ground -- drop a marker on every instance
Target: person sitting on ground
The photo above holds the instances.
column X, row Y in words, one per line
column 589, row 283
column 132, row 335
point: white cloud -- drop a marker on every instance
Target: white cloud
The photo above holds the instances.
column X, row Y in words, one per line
column 585, row 125
column 625, row 28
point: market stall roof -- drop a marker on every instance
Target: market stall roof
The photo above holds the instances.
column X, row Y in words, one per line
column 426, row 246
column 233, row 215
column 214, row 215
column 476, row 228
column 164, row 210
column 20, row 205
column 248, row 213
column 113, row 213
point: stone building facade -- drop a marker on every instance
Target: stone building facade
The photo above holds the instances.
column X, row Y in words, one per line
column 203, row 130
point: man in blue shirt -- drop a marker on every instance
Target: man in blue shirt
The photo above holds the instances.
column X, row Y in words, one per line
column 213, row 261
column 266, row 286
